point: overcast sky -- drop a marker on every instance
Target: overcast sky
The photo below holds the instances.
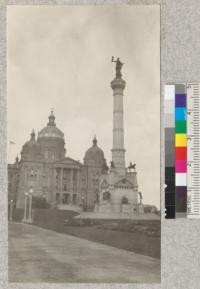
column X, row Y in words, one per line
column 60, row 57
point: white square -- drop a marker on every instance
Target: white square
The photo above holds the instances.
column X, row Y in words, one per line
column 181, row 179
column 169, row 91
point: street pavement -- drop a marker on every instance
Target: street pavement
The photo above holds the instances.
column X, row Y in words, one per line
column 40, row 255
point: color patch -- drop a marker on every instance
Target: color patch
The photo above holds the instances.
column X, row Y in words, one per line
column 181, row 179
column 180, row 100
column 181, row 192
column 181, row 166
column 180, row 127
column 181, row 140
column 181, row 153
column 180, row 88
column 169, row 92
column 180, row 113
column 169, row 120
column 169, row 106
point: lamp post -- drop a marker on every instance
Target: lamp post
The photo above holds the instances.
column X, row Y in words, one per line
column 25, row 208
column 30, row 195
column 11, row 211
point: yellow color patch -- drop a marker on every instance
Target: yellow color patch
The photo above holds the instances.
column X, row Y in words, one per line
column 181, row 140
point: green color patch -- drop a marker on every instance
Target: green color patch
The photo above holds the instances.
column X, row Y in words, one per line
column 180, row 126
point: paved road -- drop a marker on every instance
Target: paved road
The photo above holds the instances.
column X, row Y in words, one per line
column 38, row 255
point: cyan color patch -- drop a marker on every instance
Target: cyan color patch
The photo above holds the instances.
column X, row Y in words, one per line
column 181, row 113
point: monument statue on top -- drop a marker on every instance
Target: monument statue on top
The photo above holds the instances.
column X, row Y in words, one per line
column 119, row 65
column 118, row 188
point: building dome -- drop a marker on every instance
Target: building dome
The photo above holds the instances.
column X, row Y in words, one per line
column 31, row 149
column 52, row 141
column 51, row 131
column 94, row 156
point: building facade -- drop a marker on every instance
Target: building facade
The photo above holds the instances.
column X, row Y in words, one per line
column 46, row 172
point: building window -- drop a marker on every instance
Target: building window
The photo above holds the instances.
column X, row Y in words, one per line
column 57, row 197
column 65, row 188
column 66, row 198
column 74, row 199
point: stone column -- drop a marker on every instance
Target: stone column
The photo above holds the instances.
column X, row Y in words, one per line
column 61, row 183
column 118, row 151
column 54, row 186
column 71, row 181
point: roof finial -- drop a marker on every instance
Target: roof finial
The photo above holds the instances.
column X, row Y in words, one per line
column 94, row 141
column 51, row 118
column 33, row 135
column 17, row 159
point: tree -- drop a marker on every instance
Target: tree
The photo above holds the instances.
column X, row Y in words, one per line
column 40, row 202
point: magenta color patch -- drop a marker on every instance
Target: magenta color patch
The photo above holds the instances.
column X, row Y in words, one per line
column 181, row 166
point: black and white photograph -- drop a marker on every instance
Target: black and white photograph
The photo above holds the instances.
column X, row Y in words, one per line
column 83, row 143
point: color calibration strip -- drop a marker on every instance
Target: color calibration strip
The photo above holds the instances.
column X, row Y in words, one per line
column 193, row 150
column 169, row 124
column 181, row 151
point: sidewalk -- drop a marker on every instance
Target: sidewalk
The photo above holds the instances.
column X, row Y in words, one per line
column 39, row 255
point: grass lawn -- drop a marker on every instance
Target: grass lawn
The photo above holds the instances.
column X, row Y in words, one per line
column 131, row 240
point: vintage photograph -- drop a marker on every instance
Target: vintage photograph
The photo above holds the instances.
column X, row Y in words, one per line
column 83, row 122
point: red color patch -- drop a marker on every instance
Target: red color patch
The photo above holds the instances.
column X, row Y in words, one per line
column 181, row 153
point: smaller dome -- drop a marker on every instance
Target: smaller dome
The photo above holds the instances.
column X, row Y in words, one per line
column 94, row 155
column 51, row 130
column 31, row 149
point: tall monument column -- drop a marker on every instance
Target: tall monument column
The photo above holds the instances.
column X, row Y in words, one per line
column 118, row 151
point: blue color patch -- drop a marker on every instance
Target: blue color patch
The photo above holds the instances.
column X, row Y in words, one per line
column 181, row 113
column 180, row 100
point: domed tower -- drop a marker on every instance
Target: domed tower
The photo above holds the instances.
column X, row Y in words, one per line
column 94, row 156
column 52, row 141
column 31, row 150
column 94, row 166
column 30, row 170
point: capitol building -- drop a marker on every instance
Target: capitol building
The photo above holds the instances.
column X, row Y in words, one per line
column 44, row 169
column 45, row 172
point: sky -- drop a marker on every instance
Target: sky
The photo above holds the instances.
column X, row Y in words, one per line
column 60, row 57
